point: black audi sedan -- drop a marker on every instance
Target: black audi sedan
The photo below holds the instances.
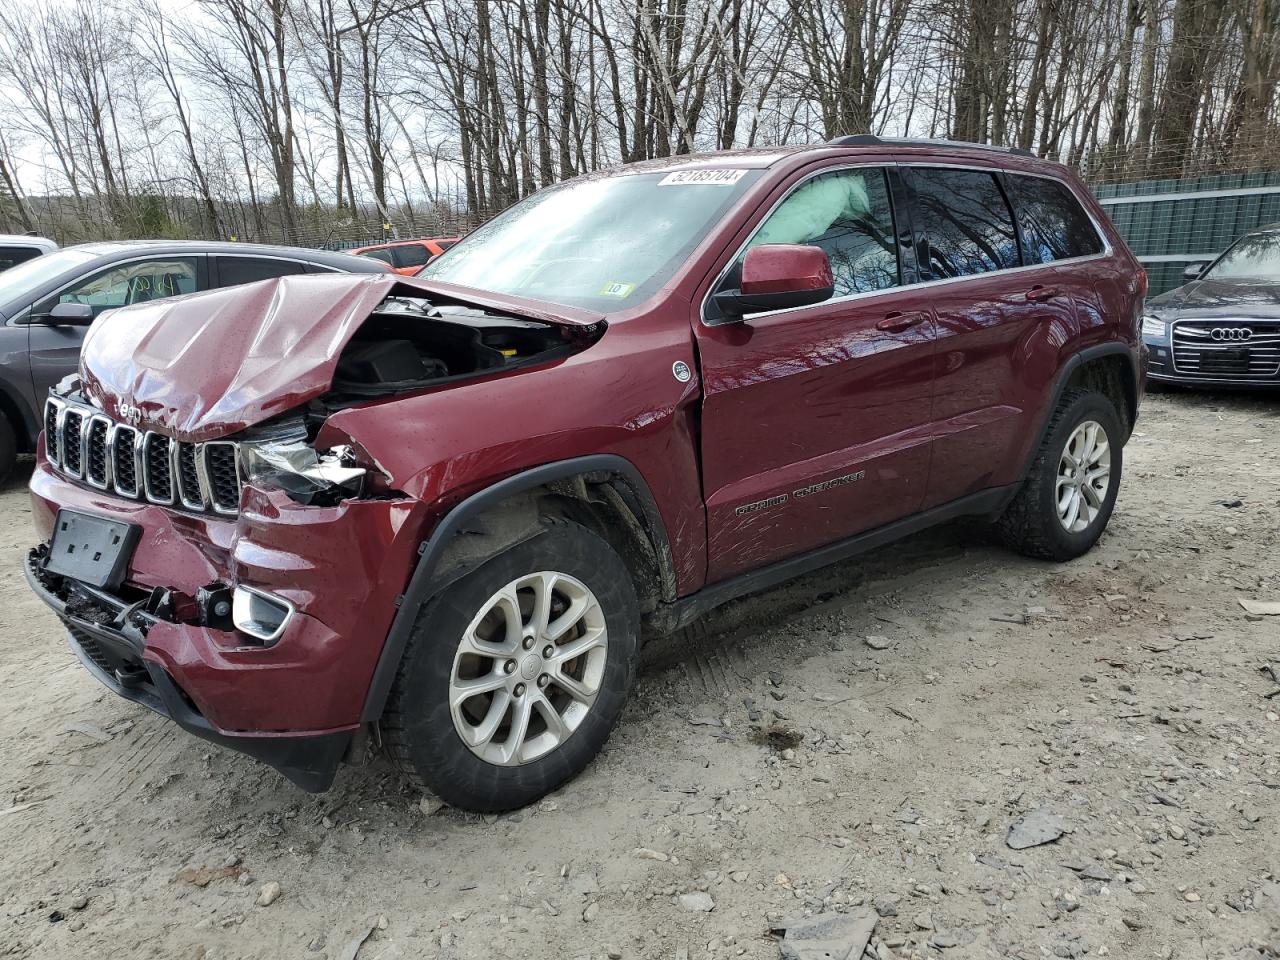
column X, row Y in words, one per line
column 1222, row 329
column 47, row 303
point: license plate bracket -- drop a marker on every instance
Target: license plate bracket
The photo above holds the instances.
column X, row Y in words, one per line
column 91, row 549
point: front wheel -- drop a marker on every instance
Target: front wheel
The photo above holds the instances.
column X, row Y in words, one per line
column 516, row 673
column 8, row 448
column 1070, row 491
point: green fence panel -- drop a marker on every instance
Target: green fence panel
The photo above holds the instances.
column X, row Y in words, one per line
column 1167, row 225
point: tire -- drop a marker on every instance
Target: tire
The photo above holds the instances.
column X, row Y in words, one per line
column 1033, row 524
column 8, row 449
column 424, row 734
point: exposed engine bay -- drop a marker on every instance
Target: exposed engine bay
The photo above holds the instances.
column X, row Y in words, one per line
column 409, row 344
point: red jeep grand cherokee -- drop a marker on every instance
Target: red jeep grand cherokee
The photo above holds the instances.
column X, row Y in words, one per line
column 442, row 512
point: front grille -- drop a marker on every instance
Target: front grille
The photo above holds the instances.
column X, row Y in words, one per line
column 86, row 445
column 124, row 460
column 51, row 433
column 92, row 649
column 1236, row 349
column 72, row 442
column 188, row 480
column 222, row 463
column 95, row 452
column 158, row 468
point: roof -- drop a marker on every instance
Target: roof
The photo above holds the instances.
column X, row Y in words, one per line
column 415, row 242
column 26, row 240
column 762, row 158
column 116, row 248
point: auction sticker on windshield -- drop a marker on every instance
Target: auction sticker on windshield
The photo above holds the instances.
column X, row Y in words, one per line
column 615, row 288
column 714, row 178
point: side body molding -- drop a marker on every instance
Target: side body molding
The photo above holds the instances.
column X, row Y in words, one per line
column 433, row 549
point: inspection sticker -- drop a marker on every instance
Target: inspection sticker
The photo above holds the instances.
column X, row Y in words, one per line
column 714, row 178
column 615, row 288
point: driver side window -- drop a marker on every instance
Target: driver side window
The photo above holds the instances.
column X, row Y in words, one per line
column 131, row 283
column 848, row 214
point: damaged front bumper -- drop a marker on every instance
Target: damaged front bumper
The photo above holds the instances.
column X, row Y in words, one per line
column 109, row 637
column 294, row 699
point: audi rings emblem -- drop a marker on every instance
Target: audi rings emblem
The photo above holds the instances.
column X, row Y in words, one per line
column 1231, row 333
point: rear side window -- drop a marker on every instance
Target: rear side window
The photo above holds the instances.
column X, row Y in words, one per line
column 12, row 256
column 846, row 213
column 410, row 255
column 965, row 222
column 1054, row 225
column 233, row 271
column 445, row 244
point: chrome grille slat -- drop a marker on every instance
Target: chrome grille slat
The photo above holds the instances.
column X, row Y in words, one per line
column 157, row 468
column 186, row 479
column 97, row 465
column 199, row 477
column 125, row 469
column 221, row 465
column 52, row 432
column 71, row 450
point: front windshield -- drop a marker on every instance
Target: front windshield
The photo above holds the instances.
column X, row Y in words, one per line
column 26, row 276
column 603, row 244
column 1255, row 257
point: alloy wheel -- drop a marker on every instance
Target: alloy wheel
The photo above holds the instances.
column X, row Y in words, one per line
column 528, row 668
column 1084, row 476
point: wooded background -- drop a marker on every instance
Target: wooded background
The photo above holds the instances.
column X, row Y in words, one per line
column 316, row 121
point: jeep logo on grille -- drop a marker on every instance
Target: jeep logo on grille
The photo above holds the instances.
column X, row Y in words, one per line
column 1231, row 333
column 129, row 413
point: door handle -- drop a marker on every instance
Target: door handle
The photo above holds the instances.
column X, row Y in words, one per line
column 1041, row 294
column 897, row 322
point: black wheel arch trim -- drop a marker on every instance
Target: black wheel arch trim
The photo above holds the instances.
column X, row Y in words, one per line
column 421, row 582
column 1076, row 361
column 26, row 422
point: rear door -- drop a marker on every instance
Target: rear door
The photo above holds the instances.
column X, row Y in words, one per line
column 815, row 421
column 994, row 317
column 231, row 270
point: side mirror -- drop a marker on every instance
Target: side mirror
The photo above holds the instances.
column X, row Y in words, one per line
column 779, row 276
column 1193, row 270
column 67, row 315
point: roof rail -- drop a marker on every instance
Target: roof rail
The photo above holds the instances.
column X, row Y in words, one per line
column 871, row 140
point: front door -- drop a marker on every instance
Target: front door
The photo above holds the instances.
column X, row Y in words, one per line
column 815, row 420
column 55, row 350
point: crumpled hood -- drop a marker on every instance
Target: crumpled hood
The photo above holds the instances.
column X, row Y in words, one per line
column 209, row 364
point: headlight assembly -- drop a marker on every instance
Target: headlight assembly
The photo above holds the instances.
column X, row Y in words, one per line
column 1152, row 326
column 307, row 475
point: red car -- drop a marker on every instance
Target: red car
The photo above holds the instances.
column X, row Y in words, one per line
column 443, row 513
column 406, row 257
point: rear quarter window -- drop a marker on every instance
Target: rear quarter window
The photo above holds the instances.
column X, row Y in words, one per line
column 1054, row 225
column 411, row 255
column 12, row 256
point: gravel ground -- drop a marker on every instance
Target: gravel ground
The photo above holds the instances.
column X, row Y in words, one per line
column 775, row 764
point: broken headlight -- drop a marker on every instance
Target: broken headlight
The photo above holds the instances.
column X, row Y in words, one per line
column 310, row 476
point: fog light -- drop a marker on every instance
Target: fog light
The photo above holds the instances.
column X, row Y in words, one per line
column 260, row 615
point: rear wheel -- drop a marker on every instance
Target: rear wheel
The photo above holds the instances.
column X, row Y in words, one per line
column 8, row 448
column 1070, row 491
column 516, row 674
